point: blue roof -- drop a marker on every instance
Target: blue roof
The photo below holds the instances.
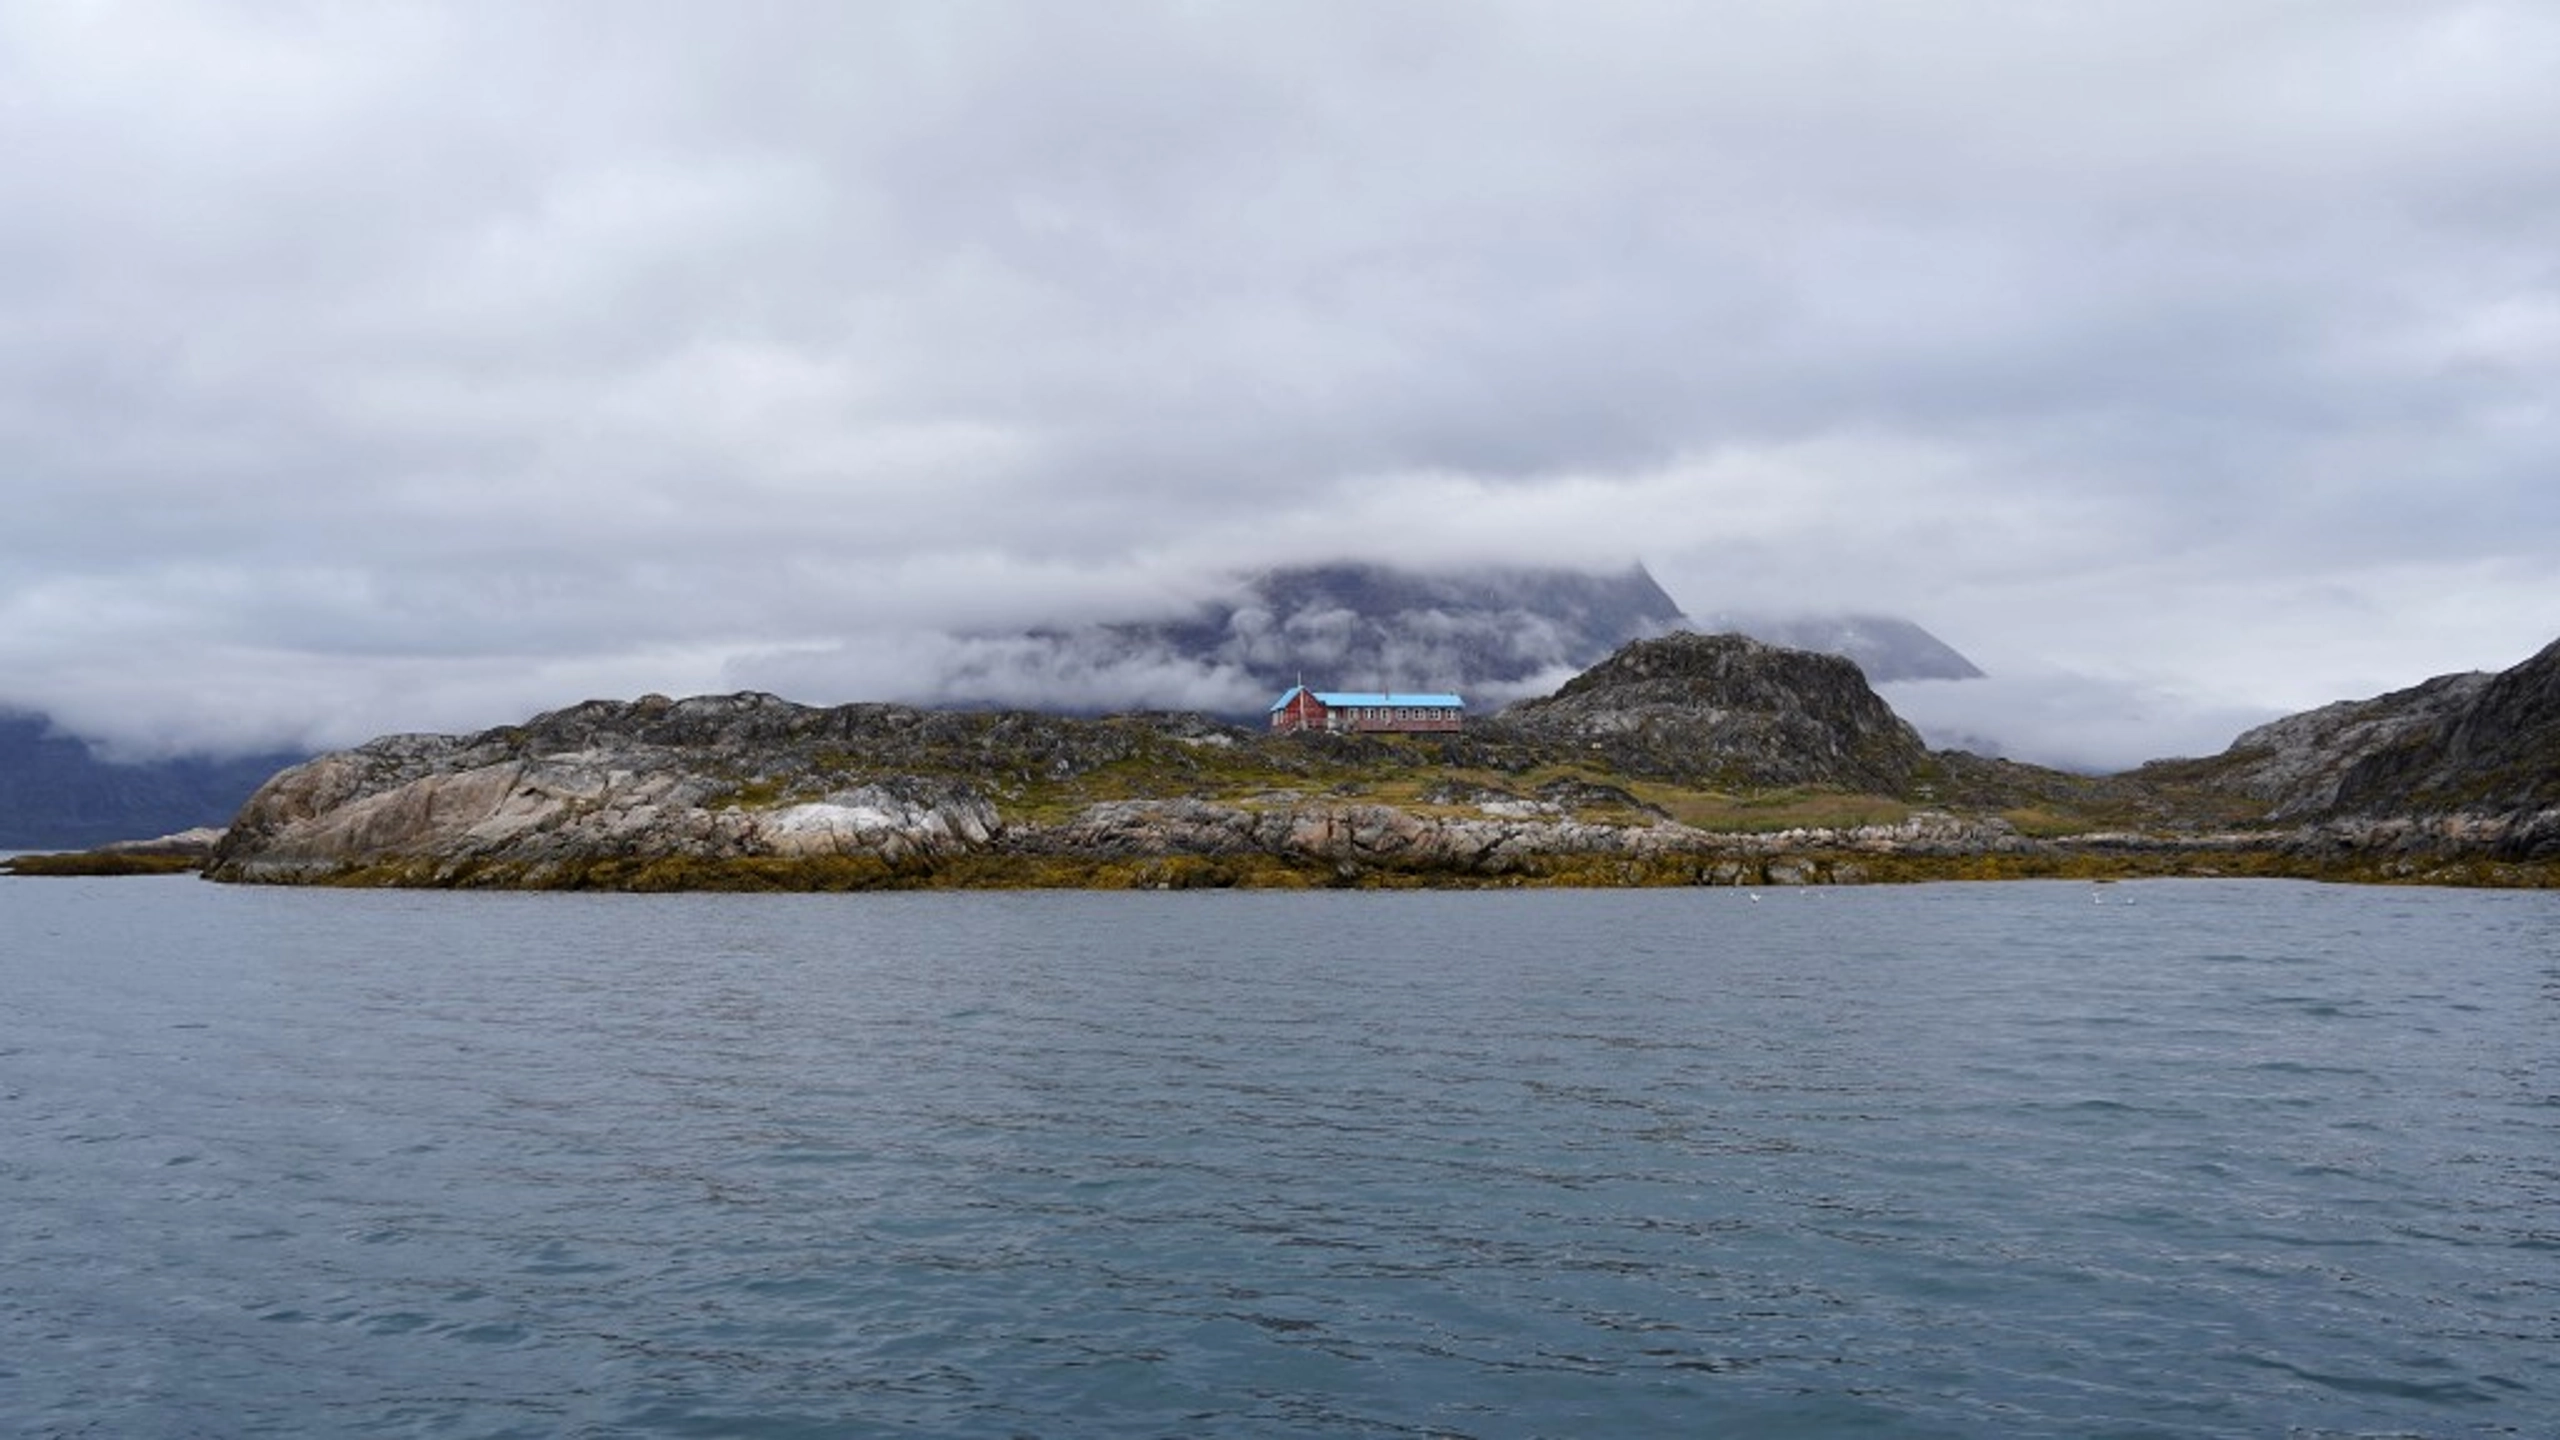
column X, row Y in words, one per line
column 1370, row 699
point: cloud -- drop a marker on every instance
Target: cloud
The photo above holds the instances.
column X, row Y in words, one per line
column 374, row 368
column 2069, row 720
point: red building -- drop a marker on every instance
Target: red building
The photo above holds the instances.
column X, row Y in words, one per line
column 1367, row 711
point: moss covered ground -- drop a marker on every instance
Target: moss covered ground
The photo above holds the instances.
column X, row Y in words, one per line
column 100, row 862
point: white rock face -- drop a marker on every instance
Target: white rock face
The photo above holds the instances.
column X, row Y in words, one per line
column 872, row 821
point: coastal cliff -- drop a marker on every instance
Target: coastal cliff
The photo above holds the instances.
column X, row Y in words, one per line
column 1682, row 759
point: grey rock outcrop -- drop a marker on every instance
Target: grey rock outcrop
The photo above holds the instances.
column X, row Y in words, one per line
column 713, row 777
column 2460, row 769
column 1727, row 709
column 2497, row 752
column 2298, row 764
column 195, row 842
column 2460, row 764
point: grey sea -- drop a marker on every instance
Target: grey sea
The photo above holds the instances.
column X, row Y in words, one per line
column 2160, row 1159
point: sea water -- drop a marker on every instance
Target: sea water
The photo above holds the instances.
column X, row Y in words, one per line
column 2158, row 1159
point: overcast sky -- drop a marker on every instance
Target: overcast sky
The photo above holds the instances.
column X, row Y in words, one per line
column 419, row 366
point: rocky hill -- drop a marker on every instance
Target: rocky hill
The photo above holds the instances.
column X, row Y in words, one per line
column 2471, row 760
column 2297, row 766
column 1728, row 710
column 2496, row 750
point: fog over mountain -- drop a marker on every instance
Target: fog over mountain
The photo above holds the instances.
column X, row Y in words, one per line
column 1884, row 647
column 2067, row 720
column 56, row 791
column 1496, row 631
column 1493, row 633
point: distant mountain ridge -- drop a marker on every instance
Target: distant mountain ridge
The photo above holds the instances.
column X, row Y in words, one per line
column 1376, row 626
column 55, row 792
column 1494, row 634
column 1883, row 647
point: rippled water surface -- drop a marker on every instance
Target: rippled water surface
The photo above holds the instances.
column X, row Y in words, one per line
column 2196, row 1158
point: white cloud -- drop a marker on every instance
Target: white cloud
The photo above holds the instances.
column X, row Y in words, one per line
column 2066, row 719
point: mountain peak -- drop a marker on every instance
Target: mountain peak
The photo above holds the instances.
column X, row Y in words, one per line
column 1883, row 646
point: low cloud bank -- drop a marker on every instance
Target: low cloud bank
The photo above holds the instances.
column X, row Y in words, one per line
column 2068, row 721
column 1494, row 636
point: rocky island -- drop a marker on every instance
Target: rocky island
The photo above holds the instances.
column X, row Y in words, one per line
column 1684, row 759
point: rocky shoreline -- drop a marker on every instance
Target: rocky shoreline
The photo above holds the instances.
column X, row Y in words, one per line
column 1189, row 844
